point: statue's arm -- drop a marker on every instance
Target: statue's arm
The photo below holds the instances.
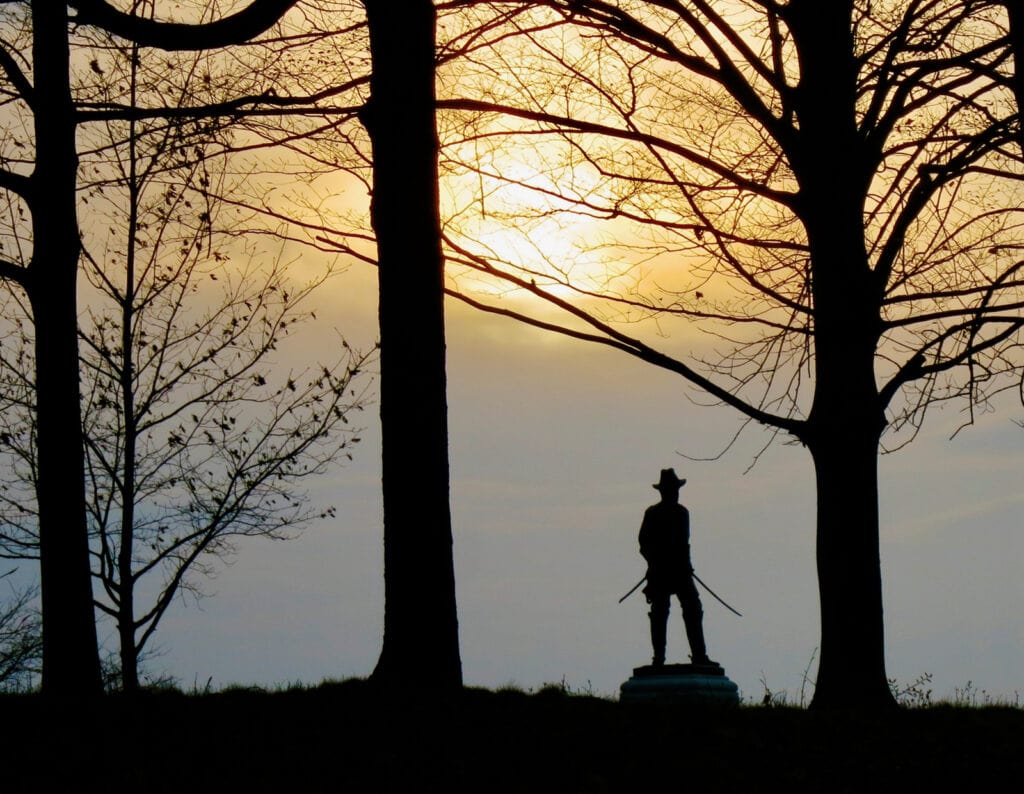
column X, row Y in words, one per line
column 686, row 535
column 646, row 530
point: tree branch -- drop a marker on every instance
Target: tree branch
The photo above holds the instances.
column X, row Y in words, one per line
column 916, row 368
column 16, row 76
column 564, row 123
column 16, row 183
column 617, row 339
column 240, row 106
column 236, row 28
column 15, row 273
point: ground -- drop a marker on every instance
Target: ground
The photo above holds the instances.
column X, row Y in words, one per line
column 348, row 737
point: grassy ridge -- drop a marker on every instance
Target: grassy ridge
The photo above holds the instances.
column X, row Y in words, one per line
column 346, row 737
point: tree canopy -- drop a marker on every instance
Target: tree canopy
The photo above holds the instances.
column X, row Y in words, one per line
column 831, row 190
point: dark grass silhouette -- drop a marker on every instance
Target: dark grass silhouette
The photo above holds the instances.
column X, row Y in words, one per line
column 350, row 737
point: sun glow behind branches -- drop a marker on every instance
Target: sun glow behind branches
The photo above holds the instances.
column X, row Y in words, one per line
column 532, row 201
column 516, row 211
column 599, row 220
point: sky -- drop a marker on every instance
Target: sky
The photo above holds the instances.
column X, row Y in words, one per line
column 554, row 447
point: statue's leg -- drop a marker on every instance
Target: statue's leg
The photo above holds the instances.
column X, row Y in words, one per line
column 659, row 625
column 693, row 619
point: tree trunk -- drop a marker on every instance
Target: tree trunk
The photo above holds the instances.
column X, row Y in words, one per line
column 843, row 432
column 126, row 547
column 70, row 655
column 851, row 668
column 421, row 644
column 1015, row 14
column 846, row 419
column 126, row 636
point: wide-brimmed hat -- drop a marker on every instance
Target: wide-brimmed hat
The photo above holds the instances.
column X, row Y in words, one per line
column 669, row 480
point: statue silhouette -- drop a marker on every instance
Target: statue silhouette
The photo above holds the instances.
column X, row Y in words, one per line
column 665, row 545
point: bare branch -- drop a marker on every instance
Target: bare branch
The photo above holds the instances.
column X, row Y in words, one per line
column 256, row 18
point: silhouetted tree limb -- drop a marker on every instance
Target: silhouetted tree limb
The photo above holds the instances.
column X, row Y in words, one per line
column 615, row 338
column 16, row 183
column 265, row 104
column 238, row 28
column 19, row 80
column 21, row 639
column 12, row 272
column 560, row 123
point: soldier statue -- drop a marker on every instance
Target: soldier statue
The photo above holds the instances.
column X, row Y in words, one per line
column 665, row 545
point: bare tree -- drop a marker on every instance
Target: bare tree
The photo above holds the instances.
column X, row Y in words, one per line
column 21, row 639
column 18, row 480
column 832, row 189
column 391, row 235
column 399, row 120
column 192, row 440
column 189, row 442
column 39, row 180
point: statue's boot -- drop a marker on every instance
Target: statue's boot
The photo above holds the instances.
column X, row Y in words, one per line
column 659, row 623
column 693, row 619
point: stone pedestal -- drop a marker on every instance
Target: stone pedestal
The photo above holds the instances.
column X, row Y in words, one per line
column 692, row 684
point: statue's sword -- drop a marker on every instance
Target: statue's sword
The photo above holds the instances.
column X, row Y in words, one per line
column 717, row 597
column 633, row 589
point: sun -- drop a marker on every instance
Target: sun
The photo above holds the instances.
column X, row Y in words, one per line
column 524, row 216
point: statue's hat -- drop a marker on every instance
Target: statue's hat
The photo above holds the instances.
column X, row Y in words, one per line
column 669, row 480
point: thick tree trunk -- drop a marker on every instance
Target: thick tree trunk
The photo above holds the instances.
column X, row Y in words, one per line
column 842, row 434
column 1015, row 13
column 851, row 668
column 70, row 657
column 421, row 644
column 846, row 418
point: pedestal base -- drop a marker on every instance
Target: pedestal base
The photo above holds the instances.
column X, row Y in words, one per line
column 694, row 684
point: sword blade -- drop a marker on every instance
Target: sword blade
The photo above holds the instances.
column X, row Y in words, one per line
column 717, row 597
column 633, row 589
